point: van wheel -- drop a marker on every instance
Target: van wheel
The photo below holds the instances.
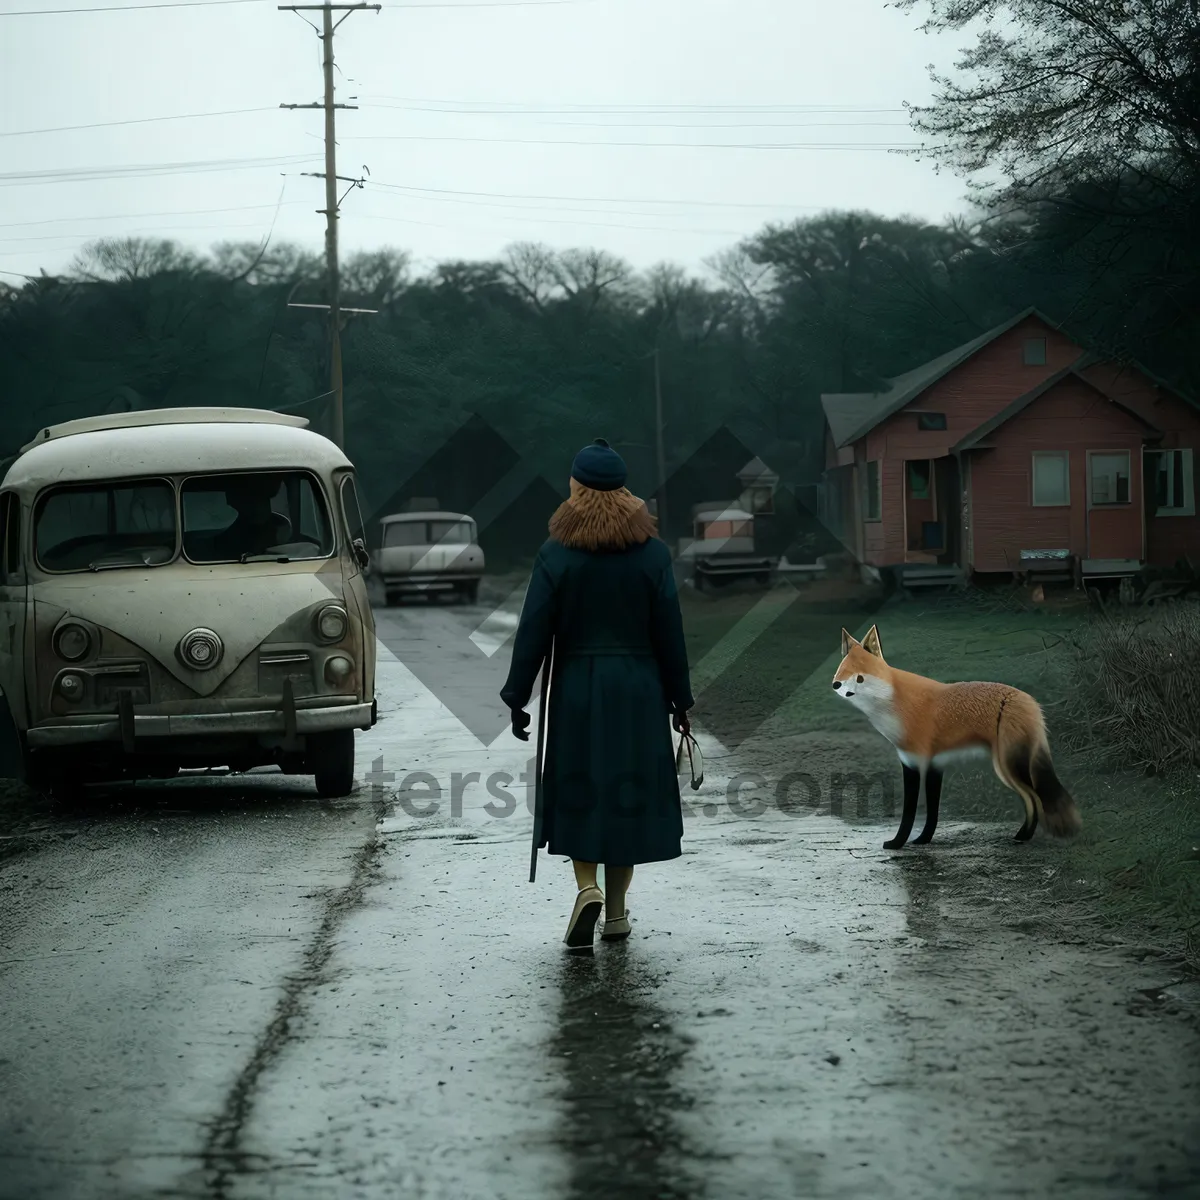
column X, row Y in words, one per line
column 62, row 784
column 331, row 760
column 392, row 599
column 14, row 758
column 67, row 790
column 471, row 592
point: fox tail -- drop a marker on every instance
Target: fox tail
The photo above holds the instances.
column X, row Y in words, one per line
column 1023, row 762
column 1059, row 810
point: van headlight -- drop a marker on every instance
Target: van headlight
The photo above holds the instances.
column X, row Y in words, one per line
column 331, row 623
column 72, row 642
column 338, row 669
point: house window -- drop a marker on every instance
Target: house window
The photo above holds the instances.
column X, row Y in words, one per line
column 1169, row 474
column 1109, row 472
column 1051, row 478
column 918, row 480
column 872, row 502
column 931, row 421
column 1035, row 352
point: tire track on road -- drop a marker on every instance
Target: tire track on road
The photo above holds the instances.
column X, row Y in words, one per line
column 223, row 1156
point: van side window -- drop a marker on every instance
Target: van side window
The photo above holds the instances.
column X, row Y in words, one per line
column 10, row 516
column 352, row 510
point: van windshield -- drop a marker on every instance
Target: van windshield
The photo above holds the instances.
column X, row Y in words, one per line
column 255, row 517
column 429, row 533
column 103, row 526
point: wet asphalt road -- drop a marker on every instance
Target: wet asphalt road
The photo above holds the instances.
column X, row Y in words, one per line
column 227, row 989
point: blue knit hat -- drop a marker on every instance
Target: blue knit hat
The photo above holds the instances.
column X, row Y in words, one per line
column 599, row 466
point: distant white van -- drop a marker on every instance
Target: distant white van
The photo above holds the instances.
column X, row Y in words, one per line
column 429, row 553
column 182, row 588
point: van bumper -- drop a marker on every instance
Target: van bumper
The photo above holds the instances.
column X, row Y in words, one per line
column 200, row 725
column 430, row 583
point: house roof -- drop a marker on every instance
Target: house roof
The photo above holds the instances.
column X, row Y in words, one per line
column 853, row 414
column 756, row 469
column 1094, row 360
column 1022, row 402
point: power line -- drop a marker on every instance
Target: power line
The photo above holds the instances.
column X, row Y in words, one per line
column 587, row 199
column 82, row 174
column 527, row 108
column 726, row 125
column 229, row 112
column 87, row 237
column 417, row 137
column 555, row 203
column 54, row 12
column 237, row 112
column 736, row 233
column 499, row 4
column 569, row 208
column 175, row 212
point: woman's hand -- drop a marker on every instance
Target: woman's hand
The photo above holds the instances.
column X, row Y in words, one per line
column 520, row 724
column 680, row 722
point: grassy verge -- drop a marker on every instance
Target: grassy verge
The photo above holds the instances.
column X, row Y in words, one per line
column 1134, row 872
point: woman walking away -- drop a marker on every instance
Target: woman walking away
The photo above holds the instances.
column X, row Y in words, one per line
column 602, row 609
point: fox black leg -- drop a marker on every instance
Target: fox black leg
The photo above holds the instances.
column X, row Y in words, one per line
column 912, row 789
column 1022, row 783
column 1031, row 821
column 933, row 798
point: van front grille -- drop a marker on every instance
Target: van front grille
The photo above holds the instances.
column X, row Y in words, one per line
column 110, row 682
column 276, row 667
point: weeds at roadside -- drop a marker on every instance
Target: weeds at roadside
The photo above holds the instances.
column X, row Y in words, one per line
column 1134, row 695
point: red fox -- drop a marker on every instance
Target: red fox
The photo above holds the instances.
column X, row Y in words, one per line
column 933, row 725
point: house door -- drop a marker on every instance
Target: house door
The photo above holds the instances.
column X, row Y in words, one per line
column 1114, row 509
column 949, row 509
column 925, row 534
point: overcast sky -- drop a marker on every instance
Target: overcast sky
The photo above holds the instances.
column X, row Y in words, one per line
column 651, row 128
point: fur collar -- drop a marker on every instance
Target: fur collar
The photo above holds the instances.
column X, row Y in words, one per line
column 594, row 520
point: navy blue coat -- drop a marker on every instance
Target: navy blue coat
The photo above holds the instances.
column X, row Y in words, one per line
column 610, row 787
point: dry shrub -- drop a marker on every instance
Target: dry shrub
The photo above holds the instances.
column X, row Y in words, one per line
column 1133, row 689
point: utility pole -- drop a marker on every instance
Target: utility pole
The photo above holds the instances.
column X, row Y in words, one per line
column 331, row 200
column 658, row 436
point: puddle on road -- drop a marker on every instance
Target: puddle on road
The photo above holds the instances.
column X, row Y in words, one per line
column 620, row 1056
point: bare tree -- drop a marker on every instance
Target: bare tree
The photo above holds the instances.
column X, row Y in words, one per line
column 379, row 276
column 259, row 264
column 532, row 271
column 131, row 258
column 1070, row 90
column 590, row 276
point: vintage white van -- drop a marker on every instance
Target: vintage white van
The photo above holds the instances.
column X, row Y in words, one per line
column 429, row 554
column 182, row 588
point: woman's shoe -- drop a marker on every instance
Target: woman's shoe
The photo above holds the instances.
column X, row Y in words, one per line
column 582, row 928
column 616, row 929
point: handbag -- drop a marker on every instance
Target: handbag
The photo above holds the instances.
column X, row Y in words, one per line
column 689, row 745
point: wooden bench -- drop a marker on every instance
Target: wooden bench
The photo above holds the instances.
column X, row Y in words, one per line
column 930, row 575
column 1046, row 566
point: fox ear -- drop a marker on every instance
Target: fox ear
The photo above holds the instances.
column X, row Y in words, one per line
column 847, row 642
column 871, row 642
